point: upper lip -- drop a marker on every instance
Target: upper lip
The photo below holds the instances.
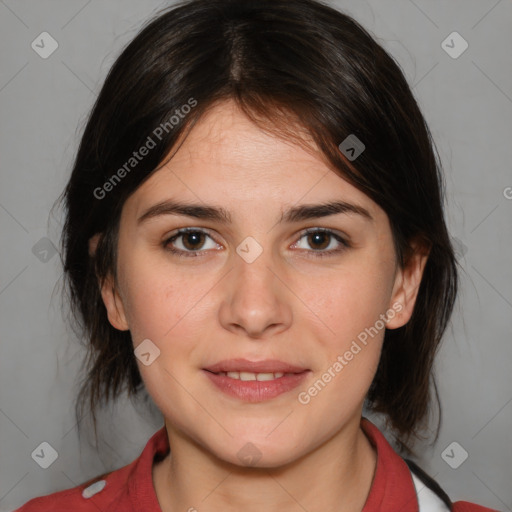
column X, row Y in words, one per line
column 244, row 365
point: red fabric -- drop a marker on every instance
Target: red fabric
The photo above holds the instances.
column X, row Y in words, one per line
column 130, row 488
column 392, row 488
column 464, row 506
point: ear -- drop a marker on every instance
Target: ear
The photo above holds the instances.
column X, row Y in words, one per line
column 114, row 304
column 407, row 284
column 111, row 297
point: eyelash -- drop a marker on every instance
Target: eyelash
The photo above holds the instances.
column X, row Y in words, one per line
column 316, row 254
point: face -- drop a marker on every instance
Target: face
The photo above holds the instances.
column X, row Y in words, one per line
column 305, row 294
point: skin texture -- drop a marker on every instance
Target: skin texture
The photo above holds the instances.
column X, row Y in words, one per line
column 288, row 305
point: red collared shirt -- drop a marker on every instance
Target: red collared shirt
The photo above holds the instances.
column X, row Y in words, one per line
column 130, row 488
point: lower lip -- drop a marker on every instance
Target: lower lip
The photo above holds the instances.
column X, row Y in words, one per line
column 256, row 390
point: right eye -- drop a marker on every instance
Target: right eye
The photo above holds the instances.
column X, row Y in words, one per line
column 187, row 242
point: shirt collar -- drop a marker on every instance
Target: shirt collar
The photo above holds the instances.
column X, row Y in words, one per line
column 392, row 488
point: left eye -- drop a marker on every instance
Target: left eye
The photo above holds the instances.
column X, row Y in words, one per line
column 326, row 241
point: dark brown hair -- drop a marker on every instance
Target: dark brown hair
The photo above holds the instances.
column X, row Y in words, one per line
column 280, row 60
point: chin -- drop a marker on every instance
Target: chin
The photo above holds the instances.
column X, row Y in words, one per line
column 253, row 452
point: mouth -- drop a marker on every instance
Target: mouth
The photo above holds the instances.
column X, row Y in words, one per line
column 255, row 381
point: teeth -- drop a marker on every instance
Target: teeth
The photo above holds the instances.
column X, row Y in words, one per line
column 245, row 376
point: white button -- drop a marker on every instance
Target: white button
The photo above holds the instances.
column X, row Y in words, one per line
column 94, row 488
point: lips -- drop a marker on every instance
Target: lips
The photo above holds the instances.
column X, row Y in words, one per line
column 244, row 365
column 255, row 381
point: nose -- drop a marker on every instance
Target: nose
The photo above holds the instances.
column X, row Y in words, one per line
column 256, row 301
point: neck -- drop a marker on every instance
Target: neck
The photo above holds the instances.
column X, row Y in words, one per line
column 336, row 476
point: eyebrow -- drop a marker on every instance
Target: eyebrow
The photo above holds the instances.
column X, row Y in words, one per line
column 294, row 214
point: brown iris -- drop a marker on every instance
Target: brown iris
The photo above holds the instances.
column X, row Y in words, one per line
column 192, row 239
column 319, row 238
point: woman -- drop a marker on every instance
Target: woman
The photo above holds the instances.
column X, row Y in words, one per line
column 255, row 234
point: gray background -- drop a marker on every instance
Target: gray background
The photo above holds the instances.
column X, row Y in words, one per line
column 467, row 102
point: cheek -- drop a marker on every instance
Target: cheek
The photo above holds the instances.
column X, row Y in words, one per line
column 349, row 329
column 348, row 350
column 351, row 301
column 161, row 302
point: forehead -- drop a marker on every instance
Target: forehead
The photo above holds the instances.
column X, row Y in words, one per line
column 225, row 138
column 227, row 160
